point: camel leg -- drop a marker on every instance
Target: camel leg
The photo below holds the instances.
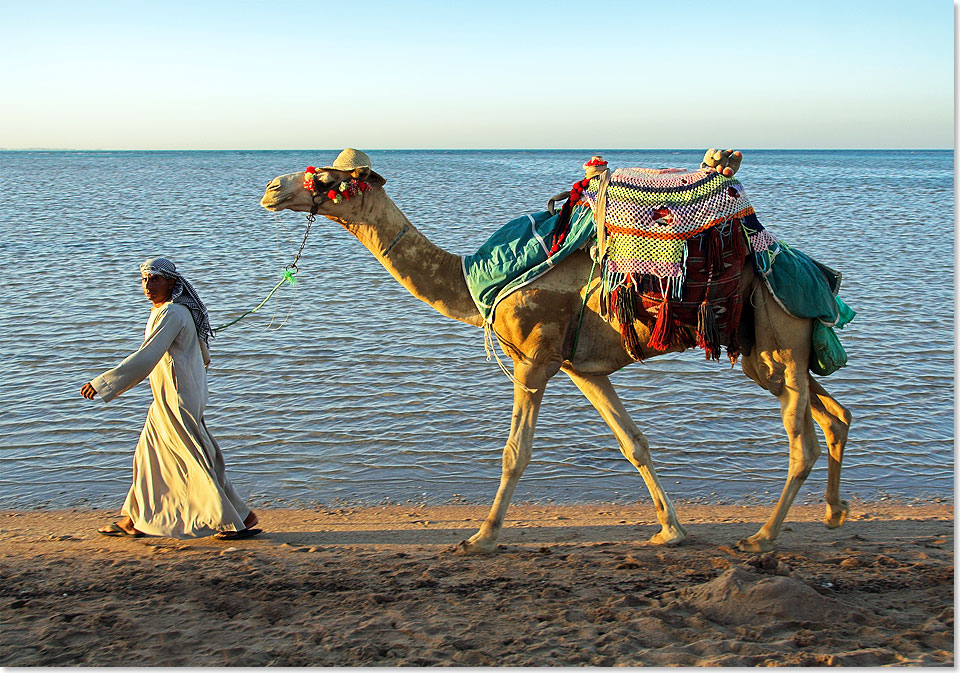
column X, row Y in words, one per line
column 804, row 450
column 779, row 363
column 635, row 448
column 834, row 419
column 516, row 456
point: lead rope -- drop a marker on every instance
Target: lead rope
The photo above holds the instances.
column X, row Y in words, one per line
column 289, row 275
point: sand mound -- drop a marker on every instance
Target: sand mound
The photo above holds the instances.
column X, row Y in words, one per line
column 739, row 596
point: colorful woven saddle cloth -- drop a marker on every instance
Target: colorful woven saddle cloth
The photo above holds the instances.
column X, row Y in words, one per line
column 651, row 213
column 673, row 251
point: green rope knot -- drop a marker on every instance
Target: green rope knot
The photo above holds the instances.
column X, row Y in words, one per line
column 288, row 276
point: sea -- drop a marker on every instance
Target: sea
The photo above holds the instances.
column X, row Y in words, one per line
column 345, row 389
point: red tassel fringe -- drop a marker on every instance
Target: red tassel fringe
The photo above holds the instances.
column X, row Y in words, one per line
column 661, row 338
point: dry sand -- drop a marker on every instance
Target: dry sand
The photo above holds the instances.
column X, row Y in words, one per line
column 570, row 586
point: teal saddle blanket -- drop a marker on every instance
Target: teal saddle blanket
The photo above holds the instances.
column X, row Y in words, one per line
column 803, row 286
column 518, row 253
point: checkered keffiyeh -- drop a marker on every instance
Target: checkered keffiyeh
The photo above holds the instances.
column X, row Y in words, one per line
column 183, row 293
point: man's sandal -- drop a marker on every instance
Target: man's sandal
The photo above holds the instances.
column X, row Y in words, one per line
column 238, row 534
column 114, row 530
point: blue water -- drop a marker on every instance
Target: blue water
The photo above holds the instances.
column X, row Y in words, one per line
column 367, row 395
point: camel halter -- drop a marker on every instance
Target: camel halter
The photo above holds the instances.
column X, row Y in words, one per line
column 344, row 191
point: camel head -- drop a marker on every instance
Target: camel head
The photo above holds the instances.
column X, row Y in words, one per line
column 334, row 191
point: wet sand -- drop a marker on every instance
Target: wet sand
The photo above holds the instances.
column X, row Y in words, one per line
column 570, row 586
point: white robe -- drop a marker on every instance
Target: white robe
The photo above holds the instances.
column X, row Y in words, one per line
column 179, row 486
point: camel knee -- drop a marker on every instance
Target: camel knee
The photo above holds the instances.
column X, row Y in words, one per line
column 838, row 417
column 835, row 420
column 515, row 461
column 514, row 471
column 802, row 472
column 837, row 434
column 636, row 449
column 842, row 420
column 801, row 467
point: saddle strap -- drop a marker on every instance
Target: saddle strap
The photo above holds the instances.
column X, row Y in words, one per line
column 599, row 214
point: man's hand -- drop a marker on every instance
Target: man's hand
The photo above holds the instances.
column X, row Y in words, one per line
column 725, row 162
column 88, row 391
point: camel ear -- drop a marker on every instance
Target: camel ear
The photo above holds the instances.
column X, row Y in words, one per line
column 360, row 173
column 375, row 179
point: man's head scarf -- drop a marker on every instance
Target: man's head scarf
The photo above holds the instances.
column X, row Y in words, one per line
column 183, row 293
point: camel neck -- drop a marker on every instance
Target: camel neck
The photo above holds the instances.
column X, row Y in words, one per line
column 428, row 272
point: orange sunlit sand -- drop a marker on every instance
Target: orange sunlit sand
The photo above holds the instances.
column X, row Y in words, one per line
column 570, row 585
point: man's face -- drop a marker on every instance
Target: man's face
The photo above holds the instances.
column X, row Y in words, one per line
column 157, row 288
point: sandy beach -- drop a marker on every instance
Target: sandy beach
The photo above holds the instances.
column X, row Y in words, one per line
column 570, row 586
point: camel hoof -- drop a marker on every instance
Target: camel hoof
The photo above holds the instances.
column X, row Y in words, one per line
column 466, row 547
column 668, row 538
column 755, row 544
column 836, row 515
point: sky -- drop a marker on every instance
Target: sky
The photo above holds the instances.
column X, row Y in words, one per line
column 211, row 74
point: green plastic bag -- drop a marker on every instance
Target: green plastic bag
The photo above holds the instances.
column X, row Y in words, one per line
column 828, row 355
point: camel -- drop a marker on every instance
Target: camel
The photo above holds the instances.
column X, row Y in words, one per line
column 536, row 327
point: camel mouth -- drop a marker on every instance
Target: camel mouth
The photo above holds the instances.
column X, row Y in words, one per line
column 271, row 203
column 275, row 196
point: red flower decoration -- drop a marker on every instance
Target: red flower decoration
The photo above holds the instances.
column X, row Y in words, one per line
column 332, row 194
column 310, row 169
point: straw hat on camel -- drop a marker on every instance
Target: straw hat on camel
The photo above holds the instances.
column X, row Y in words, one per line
column 354, row 161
